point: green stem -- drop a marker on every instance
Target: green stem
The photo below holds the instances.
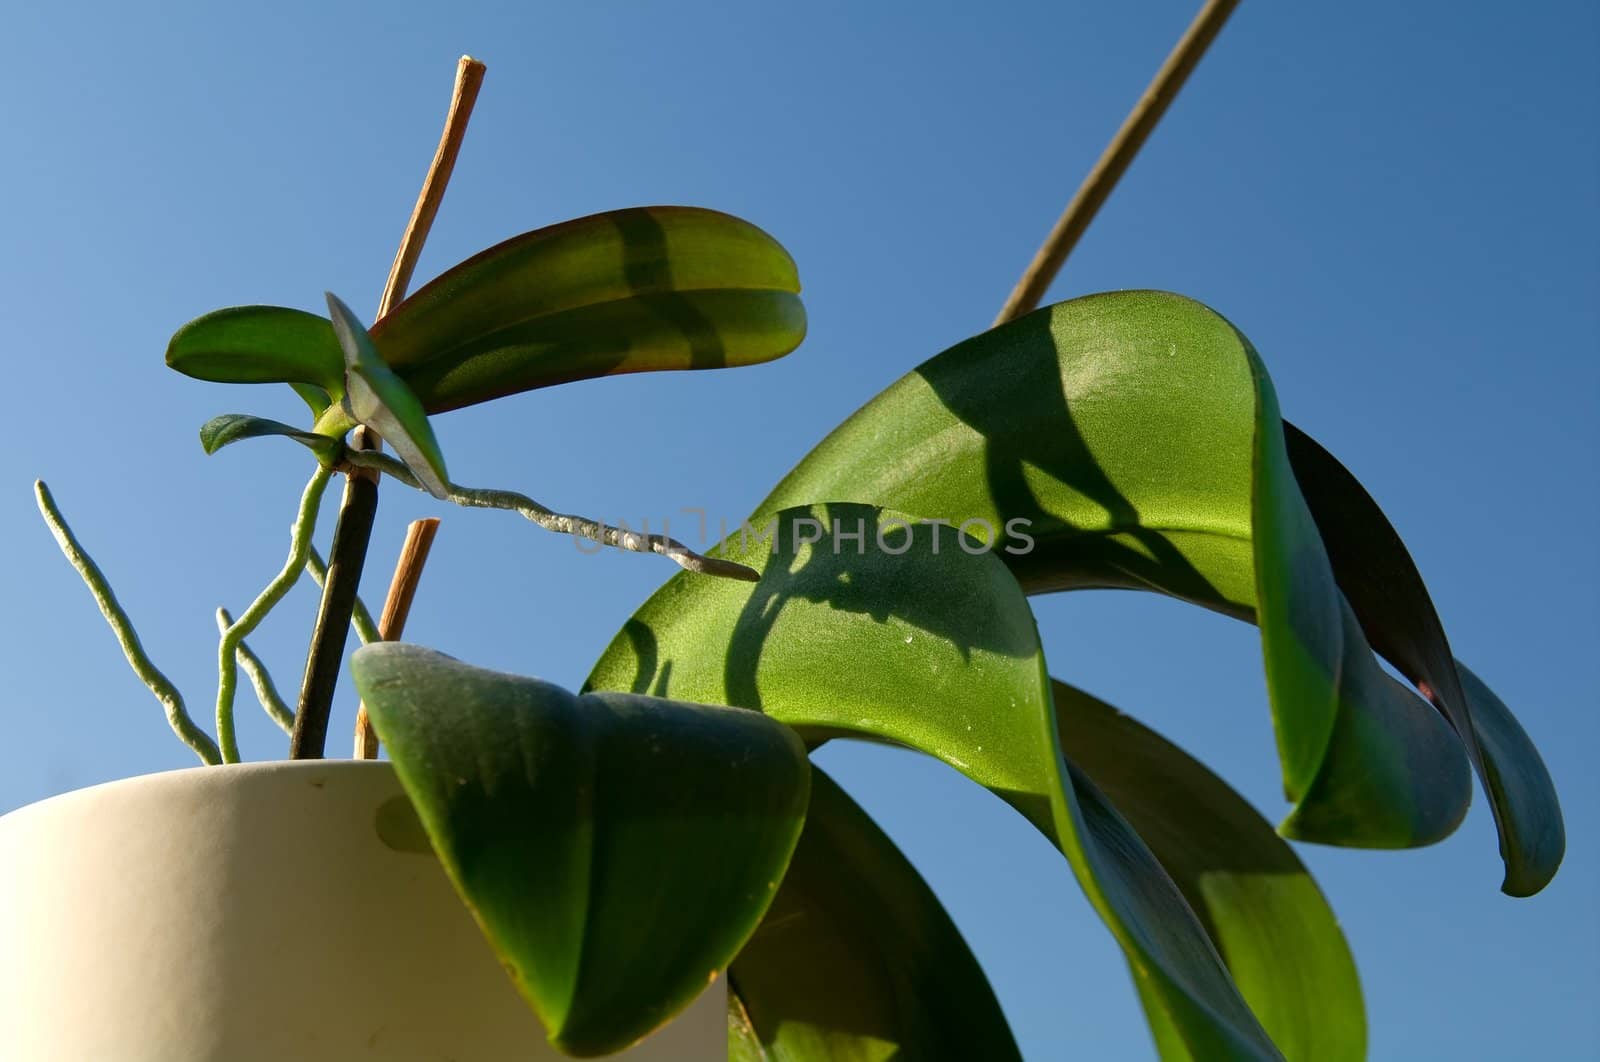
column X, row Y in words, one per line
column 227, row 665
column 256, row 671
column 158, row 684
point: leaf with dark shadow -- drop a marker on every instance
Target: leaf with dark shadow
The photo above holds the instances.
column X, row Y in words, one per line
column 856, row 960
column 880, row 634
column 1383, row 586
column 1266, row 916
column 1134, row 441
column 616, row 850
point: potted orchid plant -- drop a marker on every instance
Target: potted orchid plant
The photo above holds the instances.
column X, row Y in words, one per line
column 651, row 863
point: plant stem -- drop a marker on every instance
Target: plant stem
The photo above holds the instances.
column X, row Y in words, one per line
column 165, row 692
column 305, row 524
column 359, row 506
column 396, row 607
column 350, row 537
column 1097, row 186
column 256, row 671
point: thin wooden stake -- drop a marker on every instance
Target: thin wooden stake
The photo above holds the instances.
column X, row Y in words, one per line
column 469, row 77
column 1096, row 187
column 463, row 97
column 360, row 502
column 396, row 607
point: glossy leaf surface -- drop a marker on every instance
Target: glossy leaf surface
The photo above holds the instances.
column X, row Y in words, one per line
column 895, row 641
column 1522, row 788
column 633, row 290
column 1262, row 910
column 637, row 290
column 260, row 344
column 229, row 428
column 1137, row 436
column 616, row 850
column 856, row 960
column 375, row 396
column 1381, row 581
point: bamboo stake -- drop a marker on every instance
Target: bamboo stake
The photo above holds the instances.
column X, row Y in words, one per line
column 1113, row 162
column 359, row 505
column 396, row 607
column 469, row 78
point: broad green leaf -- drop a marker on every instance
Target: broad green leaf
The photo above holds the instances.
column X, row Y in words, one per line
column 229, row 428
column 1387, row 593
column 1262, row 910
column 856, row 960
column 638, row 290
column 1133, row 440
column 616, row 850
column 262, row 344
column 375, row 396
column 627, row 291
column 896, row 639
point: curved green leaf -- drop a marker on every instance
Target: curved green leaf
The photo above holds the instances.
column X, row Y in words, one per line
column 375, row 396
column 262, row 344
column 638, row 290
column 646, row 333
column 842, row 636
column 229, row 428
column 616, row 850
column 1533, row 835
column 1387, row 593
column 635, row 290
column 856, row 960
column 314, row 397
column 1262, row 910
column 1133, row 440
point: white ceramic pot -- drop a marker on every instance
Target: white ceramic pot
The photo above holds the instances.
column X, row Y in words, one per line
column 269, row 912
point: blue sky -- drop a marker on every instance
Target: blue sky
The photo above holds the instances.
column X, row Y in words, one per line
column 1399, row 204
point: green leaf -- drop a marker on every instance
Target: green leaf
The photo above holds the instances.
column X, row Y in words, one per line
column 1533, row 835
column 633, row 290
column 376, row 397
column 262, row 344
column 856, row 961
column 229, row 428
column 616, row 850
column 313, row 396
column 1136, row 437
column 932, row 647
column 744, row 1044
column 1262, row 910
column 638, row 290
column 1387, row 593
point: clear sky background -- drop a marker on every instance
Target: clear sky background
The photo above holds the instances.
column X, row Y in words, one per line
column 1399, row 204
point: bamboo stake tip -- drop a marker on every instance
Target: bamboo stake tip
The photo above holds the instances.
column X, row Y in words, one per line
column 1035, row 283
